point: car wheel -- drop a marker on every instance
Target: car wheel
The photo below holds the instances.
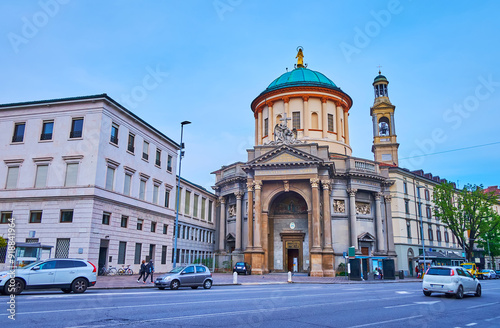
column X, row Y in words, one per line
column 460, row 292
column 15, row 288
column 79, row 286
column 194, row 287
column 427, row 293
column 246, row 272
column 174, row 284
column 66, row 290
column 207, row 284
column 478, row 291
column 161, row 288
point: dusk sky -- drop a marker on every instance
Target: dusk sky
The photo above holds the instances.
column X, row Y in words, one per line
column 210, row 59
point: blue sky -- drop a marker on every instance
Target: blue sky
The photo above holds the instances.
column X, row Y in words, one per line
column 210, row 59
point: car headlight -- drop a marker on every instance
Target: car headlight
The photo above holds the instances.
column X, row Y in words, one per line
column 168, row 278
column 4, row 275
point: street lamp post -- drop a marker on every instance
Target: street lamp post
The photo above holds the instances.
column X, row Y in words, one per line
column 176, row 231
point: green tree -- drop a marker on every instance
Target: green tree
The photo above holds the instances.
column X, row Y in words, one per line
column 468, row 213
column 3, row 242
column 491, row 245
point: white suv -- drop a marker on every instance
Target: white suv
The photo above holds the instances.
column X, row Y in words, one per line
column 451, row 281
column 67, row 274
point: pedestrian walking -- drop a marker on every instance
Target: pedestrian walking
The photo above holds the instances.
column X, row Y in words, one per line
column 142, row 271
column 149, row 271
column 380, row 273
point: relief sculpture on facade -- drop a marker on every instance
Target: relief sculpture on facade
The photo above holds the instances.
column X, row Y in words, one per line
column 339, row 206
column 362, row 208
column 231, row 211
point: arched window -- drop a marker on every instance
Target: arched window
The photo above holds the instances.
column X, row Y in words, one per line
column 384, row 127
column 278, row 118
column 314, row 121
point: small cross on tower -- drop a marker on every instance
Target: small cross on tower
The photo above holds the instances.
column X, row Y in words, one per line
column 285, row 120
column 379, row 69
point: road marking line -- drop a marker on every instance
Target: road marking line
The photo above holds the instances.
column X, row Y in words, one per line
column 387, row 321
column 471, row 324
column 478, row 306
column 397, row 306
column 491, row 319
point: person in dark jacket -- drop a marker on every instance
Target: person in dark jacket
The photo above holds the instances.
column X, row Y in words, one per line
column 149, row 271
column 142, row 271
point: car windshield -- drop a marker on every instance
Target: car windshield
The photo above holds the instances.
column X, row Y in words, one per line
column 485, row 271
column 177, row 269
column 467, row 266
column 439, row 272
column 240, row 263
column 29, row 266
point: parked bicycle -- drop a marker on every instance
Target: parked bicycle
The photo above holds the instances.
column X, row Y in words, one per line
column 108, row 271
column 125, row 271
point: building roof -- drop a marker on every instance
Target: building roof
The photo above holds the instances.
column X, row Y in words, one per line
column 380, row 78
column 196, row 185
column 301, row 76
column 90, row 97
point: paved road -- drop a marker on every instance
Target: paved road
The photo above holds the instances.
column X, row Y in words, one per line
column 290, row 305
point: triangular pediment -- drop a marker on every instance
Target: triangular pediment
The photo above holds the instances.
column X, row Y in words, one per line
column 366, row 236
column 285, row 155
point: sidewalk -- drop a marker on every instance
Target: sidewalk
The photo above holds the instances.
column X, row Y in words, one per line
column 225, row 279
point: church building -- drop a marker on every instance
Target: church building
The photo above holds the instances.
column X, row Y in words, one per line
column 301, row 199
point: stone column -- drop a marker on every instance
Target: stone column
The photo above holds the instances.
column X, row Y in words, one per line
column 352, row 217
column 316, row 233
column 259, row 117
column 375, row 126
column 327, row 219
column 239, row 195
column 307, row 115
column 258, row 216
column 346, row 127
column 256, row 130
column 339, row 123
column 286, row 100
column 250, row 214
column 271, row 120
column 393, row 125
column 222, row 227
column 324, row 120
column 388, row 221
column 378, row 219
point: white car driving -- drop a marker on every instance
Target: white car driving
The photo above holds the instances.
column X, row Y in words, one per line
column 451, row 281
column 70, row 275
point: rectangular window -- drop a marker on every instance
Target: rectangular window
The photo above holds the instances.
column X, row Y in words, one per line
column 110, row 178
column 18, row 132
column 121, row 252
column 446, row 237
column 427, row 194
column 407, row 206
column 142, row 190
column 47, row 129
column 76, row 128
column 266, row 127
column 156, row 189
column 62, row 248
column 153, row 226
column 405, row 188
column 71, row 174
column 164, row 255
column 137, row 255
column 419, row 207
column 330, row 122
column 167, row 198
column 152, row 252
column 145, row 150
column 418, row 192
column 106, row 218
column 165, row 229
column 296, row 120
column 169, row 163
column 428, row 212
column 158, row 157
column 114, row 134
column 41, row 176
column 431, row 237
column 140, row 223
column 5, row 217
column 66, row 216
column 127, row 183
column 124, row 221
column 203, row 201
column 195, row 205
column 210, row 204
column 131, row 143
column 12, row 176
column 35, row 216
column 187, row 201
column 438, row 235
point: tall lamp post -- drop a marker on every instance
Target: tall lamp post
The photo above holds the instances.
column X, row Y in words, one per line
column 421, row 229
column 176, row 232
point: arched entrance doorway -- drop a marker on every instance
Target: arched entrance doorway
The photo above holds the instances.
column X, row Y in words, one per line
column 288, row 233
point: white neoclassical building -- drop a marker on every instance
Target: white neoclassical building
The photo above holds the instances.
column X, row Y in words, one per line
column 90, row 179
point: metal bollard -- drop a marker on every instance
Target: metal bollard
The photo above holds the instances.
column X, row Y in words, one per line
column 235, row 278
column 290, row 276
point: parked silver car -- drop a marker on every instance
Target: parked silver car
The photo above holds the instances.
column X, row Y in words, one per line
column 70, row 275
column 451, row 281
column 194, row 276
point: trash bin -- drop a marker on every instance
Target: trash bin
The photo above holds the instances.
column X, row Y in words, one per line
column 401, row 274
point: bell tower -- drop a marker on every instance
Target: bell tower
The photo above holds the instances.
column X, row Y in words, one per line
column 385, row 145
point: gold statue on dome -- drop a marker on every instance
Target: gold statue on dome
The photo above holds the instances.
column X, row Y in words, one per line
column 300, row 57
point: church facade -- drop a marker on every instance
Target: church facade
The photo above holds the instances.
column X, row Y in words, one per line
column 301, row 200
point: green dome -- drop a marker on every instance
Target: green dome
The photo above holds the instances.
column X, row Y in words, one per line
column 301, row 76
column 380, row 78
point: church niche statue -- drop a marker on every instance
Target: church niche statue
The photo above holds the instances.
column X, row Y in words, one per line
column 283, row 134
column 384, row 129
